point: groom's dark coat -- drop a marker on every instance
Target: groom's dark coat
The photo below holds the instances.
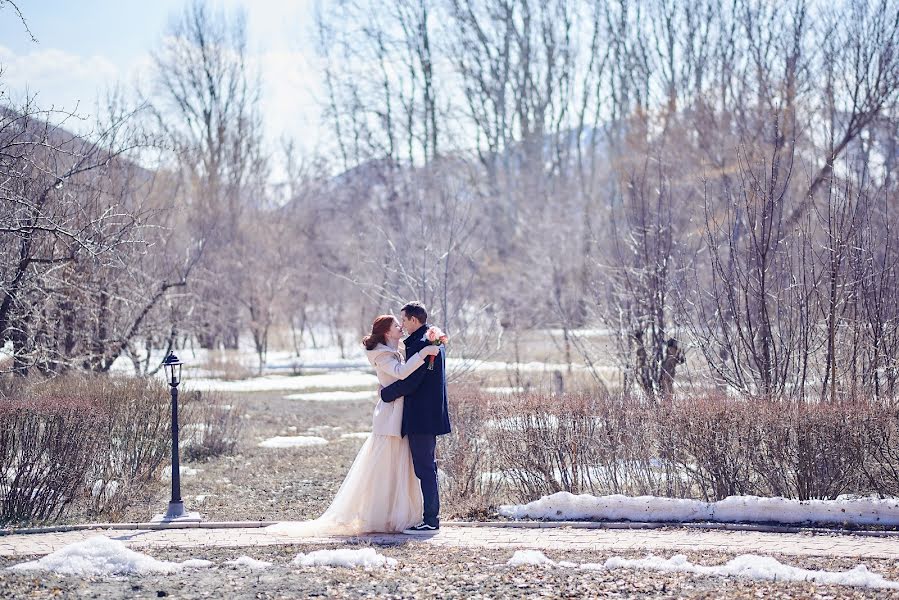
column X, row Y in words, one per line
column 424, row 407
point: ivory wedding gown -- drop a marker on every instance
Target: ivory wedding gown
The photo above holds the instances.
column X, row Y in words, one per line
column 380, row 492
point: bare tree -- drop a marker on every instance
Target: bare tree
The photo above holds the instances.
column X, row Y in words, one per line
column 206, row 101
column 20, row 15
column 77, row 222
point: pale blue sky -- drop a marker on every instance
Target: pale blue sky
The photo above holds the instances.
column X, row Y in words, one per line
column 84, row 46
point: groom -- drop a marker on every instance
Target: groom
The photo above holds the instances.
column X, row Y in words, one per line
column 425, row 413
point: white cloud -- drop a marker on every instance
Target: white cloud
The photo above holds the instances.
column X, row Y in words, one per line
column 280, row 46
column 60, row 78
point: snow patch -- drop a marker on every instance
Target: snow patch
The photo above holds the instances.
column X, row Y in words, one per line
column 503, row 390
column 530, row 557
column 106, row 489
column 293, row 441
column 528, row 367
column 332, row 396
column 185, row 472
column 366, row 558
column 324, row 428
column 247, row 561
column 750, row 566
column 100, row 555
column 356, row 434
column 270, row 383
column 563, row 506
column 197, row 563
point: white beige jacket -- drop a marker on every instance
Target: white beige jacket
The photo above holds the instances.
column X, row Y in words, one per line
column 389, row 367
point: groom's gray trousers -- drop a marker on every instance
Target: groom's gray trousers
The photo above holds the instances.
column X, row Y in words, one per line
column 422, row 446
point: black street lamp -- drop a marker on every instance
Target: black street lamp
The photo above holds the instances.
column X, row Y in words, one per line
column 176, row 506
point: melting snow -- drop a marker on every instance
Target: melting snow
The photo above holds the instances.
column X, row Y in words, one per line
column 185, row 472
column 529, row 557
column 246, row 561
column 751, row 566
column 564, row 506
column 366, row 558
column 269, row 383
column 100, row 555
column 332, row 396
column 356, row 434
column 293, row 441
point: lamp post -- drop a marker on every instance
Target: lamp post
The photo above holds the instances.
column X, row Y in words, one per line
column 175, row 511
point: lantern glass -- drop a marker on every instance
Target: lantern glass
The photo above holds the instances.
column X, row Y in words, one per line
column 173, row 369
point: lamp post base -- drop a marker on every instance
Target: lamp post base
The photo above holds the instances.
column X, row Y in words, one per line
column 177, row 514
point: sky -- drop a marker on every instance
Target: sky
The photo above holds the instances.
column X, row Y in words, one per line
column 86, row 46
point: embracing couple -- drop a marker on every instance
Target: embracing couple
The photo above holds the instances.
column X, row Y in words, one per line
column 392, row 484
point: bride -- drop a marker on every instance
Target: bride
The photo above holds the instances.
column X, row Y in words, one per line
column 380, row 492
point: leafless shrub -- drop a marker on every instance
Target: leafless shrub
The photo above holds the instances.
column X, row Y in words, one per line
column 226, row 365
column 47, row 449
column 882, row 431
column 811, row 450
column 214, row 422
column 544, row 443
column 713, row 444
column 469, row 484
column 135, row 438
column 98, row 442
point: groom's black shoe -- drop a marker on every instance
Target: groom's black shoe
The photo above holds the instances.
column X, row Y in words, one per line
column 422, row 528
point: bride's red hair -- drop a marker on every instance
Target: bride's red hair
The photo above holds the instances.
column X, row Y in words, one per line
column 379, row 331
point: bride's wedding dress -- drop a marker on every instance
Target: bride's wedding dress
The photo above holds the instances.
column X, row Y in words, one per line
column 380, row 492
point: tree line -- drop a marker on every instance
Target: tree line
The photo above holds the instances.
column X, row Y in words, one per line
column 714, row 173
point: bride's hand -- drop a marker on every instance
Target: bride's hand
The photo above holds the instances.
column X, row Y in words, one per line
column 430, row 351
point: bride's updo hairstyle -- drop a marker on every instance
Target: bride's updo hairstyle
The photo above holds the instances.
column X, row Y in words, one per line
column 379, row 331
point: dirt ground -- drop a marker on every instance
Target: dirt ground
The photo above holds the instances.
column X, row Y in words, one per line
column 298, row 483
column 272, row 484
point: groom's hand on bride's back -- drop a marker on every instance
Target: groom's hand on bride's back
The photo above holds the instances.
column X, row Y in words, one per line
column 404, row 386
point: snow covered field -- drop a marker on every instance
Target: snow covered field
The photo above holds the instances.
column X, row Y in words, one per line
column 350, row 381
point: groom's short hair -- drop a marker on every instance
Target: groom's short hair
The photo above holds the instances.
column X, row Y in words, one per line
column 416, row 310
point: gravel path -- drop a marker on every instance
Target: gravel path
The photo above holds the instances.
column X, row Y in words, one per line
column 557, row 539
column 459, row 562
column 423, row 573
